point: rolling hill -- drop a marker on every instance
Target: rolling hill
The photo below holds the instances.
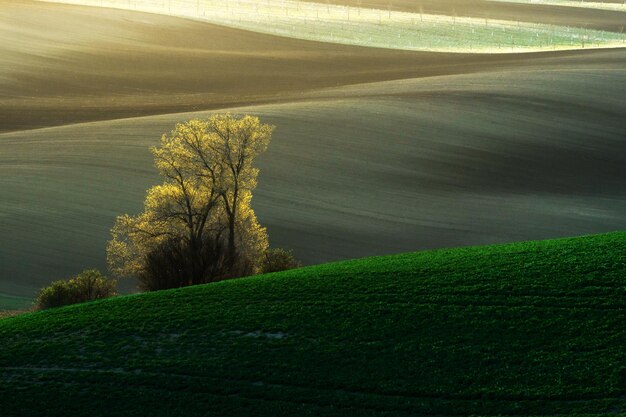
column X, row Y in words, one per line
column 390, row 29
column 65, row 64
column 585, row 15
column 372, row 169
column 377, row 151
column 526, row 329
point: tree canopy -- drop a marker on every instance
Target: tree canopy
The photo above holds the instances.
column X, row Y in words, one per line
column 199, row 221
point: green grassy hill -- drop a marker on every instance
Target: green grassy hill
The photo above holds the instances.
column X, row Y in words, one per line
column 535, row 328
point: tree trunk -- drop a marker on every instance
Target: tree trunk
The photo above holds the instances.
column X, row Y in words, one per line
column 231, row 240
column 232, row 251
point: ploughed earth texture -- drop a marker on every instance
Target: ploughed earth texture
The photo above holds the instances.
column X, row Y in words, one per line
column 376, row 151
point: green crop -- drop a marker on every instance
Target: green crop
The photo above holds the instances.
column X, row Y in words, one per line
column 534, row 328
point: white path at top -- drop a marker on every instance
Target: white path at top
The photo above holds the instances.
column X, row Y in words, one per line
column 372, row 27
column 620, row 7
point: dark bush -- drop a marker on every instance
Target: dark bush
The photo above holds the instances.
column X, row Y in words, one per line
column 175, row 263
column 87, row 286
column 276, row 260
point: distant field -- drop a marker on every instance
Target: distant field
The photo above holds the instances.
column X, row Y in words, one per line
column 375, row 28
column 528, row 329
column 9, row 302
column 582, row 17
column 615, row 6
column 64, row 64
column 353, row 171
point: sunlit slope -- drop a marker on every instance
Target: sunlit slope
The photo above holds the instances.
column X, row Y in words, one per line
column 613, row 5
column 64, row 64
column 529, row 329
column 355, row 171
column 586, row 14
column 330, row 23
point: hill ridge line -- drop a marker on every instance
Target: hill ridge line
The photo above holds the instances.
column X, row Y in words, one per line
column 330, row 93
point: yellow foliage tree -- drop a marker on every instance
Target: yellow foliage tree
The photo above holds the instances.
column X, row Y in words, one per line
column 203, row 203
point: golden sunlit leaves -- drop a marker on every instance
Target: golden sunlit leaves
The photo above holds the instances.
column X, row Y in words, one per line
column 209, row 179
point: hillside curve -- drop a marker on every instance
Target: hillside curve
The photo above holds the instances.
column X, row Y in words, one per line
column 527, row 329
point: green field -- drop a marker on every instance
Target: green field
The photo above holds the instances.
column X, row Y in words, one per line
column 533, row 328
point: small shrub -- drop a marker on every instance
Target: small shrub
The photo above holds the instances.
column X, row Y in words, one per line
column 276, row 260
column 87, row 286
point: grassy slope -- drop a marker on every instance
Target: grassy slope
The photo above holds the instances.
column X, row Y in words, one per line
column 372, row 169
column 533, row 328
